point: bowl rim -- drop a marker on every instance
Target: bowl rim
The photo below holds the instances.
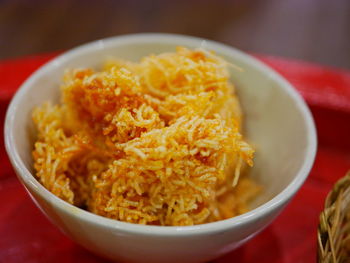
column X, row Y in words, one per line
column 267, row 208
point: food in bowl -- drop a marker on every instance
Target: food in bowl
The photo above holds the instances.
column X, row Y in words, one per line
column 286, row 150
column 156, row 142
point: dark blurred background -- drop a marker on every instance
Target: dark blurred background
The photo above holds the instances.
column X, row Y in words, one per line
column 312, row 30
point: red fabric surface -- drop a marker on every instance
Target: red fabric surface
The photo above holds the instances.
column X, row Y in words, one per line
column 27, row 236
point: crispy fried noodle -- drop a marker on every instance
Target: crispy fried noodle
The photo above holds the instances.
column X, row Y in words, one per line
column 155, row 142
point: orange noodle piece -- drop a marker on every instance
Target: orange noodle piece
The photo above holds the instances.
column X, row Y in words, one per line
column 151, row 142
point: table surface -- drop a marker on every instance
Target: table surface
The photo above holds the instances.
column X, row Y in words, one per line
column 27, row 236
column 312, row 30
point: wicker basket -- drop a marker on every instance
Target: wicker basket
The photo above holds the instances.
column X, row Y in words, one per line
column 334, row 227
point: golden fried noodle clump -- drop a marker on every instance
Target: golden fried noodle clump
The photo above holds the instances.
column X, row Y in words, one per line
column 156, row 142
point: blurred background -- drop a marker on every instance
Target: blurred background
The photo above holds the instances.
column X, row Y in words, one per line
column 312, row 30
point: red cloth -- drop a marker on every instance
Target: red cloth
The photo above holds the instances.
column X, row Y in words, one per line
column 27, row 236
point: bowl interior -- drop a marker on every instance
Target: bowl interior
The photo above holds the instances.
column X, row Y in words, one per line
column 274, row 116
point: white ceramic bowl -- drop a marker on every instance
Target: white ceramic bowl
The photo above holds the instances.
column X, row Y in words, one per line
column 277, row 121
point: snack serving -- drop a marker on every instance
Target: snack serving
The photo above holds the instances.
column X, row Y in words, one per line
column 155, row 142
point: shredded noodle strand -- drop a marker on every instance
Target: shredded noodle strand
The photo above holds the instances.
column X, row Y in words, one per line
column 155, row 142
